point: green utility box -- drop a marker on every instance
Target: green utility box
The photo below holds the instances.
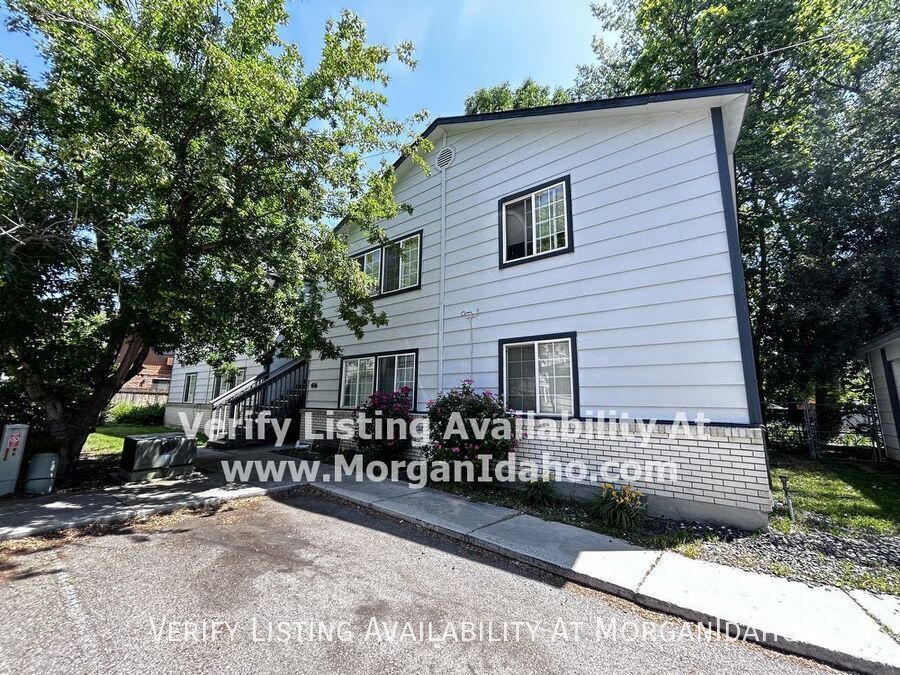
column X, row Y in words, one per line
column 147, row 456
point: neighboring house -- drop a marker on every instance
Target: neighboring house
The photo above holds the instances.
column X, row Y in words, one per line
column 579, row 258
column 151, row 385
column 883, row 356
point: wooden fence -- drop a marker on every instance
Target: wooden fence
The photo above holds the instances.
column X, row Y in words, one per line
column 142, row 397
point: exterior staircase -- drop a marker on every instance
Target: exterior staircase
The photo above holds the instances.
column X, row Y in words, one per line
column 282, row 393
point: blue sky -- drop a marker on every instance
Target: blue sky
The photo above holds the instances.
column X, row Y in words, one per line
column 460, row 45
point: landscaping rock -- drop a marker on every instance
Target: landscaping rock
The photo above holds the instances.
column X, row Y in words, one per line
column 814, row 555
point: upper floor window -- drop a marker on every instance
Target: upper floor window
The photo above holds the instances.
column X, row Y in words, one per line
column 220, row 385
column 190, row 386
column 371, row 264
column 536, row 223
column 395, row 266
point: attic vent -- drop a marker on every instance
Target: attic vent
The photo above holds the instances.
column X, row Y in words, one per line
column 445, row 157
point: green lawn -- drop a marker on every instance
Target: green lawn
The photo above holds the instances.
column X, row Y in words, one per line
column 107, row 440
column 855, row 497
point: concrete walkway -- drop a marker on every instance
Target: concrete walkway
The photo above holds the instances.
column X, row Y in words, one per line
column 851, row 630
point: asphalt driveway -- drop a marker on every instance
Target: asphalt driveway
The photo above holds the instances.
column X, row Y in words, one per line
column 313, row 585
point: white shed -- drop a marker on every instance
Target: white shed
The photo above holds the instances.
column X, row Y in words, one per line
column 883, row 355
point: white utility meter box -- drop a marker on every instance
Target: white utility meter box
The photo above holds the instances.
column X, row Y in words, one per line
column 12, row 449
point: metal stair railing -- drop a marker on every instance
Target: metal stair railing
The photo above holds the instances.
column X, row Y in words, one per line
column 282, row 393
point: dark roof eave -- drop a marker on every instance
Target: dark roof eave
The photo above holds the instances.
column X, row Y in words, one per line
column 878, row 342
column 585, row 106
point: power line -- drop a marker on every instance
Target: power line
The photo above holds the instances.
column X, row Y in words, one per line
column 800, row 44
column 377, row 154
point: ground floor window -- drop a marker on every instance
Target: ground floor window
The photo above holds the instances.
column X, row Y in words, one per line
column 396, row 371
column 220, row 385
column 361, row 376
column 540, row 374
column 190, row 386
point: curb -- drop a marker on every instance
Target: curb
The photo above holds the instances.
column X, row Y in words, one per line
column 747, row 632
column 767, row 639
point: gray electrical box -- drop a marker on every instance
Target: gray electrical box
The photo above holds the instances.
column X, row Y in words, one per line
column 149, row 456
column 12, row 449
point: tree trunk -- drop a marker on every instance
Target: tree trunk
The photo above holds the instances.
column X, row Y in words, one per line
column 69, row 449
column 71, row 425
column 828, row 413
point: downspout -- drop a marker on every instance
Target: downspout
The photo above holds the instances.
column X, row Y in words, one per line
column 440, row 355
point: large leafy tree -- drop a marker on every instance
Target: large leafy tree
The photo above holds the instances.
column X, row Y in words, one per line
column 171, row 181
column 818, row 161
column 503, row 96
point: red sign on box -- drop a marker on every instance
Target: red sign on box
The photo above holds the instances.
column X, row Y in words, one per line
column 11, row 445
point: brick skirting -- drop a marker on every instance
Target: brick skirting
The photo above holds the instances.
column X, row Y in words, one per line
column 720, row 477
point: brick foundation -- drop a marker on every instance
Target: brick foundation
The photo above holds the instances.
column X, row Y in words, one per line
column 720, row 476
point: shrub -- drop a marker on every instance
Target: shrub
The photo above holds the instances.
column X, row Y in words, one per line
column 621, row 508
column 141, row 415
column 396, row 405
column 464, row 445
column 539, row 492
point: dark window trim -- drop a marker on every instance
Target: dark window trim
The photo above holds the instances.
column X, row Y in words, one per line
column 570, row 230
column 349, row 357
column 219, row 383
column 395, row 240
column 745, row 333
column 576, row 391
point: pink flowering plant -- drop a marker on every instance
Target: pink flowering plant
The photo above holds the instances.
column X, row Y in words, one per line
column 380, row 409
column 448, row 443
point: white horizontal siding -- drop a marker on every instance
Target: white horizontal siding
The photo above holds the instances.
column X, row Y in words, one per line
column 413, row 315
column 886, row 415
column 648, row 288
column 205, row 376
